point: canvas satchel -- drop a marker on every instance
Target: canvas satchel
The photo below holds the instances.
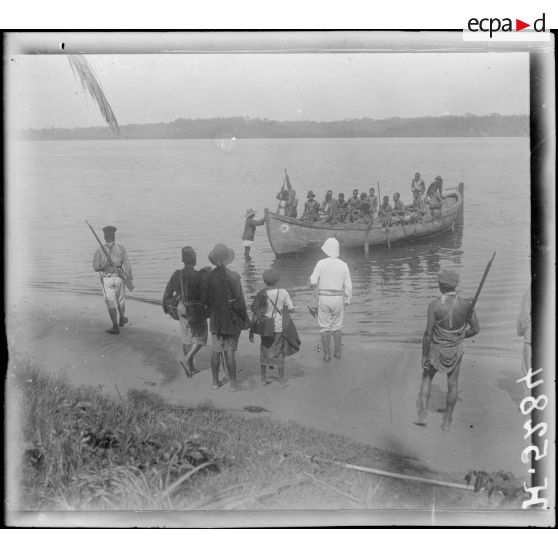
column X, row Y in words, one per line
column 264, row 325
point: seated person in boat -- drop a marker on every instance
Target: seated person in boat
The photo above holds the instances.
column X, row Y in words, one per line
column 326, row 207
column 352, row 205
column 283, row 197
column 364, row 213
column 398, row 205
column 342, row 208
column 417, row 188
column 372, row 200
column 291, row 204
column 311, row 208
column 386, row 212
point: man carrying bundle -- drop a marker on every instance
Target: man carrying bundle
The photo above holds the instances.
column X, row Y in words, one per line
column 112, row 264
column 451, row 319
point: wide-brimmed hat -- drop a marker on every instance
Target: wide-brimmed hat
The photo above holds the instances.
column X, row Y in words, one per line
column 448, row 278
column 438, row 178
column 221, row 255
column 250, row 212
column 310, row 194
column 270, row 277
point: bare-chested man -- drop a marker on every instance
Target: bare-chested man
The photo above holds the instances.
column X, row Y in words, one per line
column 450, row 321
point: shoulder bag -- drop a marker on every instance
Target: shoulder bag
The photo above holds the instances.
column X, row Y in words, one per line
column 264, row 325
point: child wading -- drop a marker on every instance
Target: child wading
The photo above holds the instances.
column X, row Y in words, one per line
column 274, row 304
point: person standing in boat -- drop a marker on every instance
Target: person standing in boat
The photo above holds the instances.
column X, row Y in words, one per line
column 292, row 204
column 386, row 212
column 372, row 200
column 221, row 292
column 311, row 208
column 434, row 198
column 435, row 186
column 450, row 321
column 114, row 289
column 250, row 230
column 353, row 204
column 283, row 197
column 417, row 188
column 192, row 314
column 332, row 278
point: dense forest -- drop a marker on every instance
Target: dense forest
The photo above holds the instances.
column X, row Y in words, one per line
column 468, row 125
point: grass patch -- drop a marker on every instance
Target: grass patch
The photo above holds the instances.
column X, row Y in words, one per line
column 85, row 450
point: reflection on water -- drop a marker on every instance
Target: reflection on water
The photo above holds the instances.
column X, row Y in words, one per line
column 390, row 288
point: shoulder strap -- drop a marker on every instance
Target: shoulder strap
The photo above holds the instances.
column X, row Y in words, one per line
column 275, row 305
column 182, row 292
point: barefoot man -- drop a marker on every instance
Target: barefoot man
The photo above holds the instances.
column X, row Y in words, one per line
column 450, row 321
column 222, row 293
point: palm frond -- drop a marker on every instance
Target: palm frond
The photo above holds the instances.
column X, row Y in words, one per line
column 91, row 86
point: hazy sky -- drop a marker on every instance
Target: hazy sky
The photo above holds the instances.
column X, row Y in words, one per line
column 43, row 91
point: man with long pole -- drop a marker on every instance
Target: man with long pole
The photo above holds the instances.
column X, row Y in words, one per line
column 451, row 319
column 112, row 263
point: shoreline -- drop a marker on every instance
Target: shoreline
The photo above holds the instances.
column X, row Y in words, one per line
column 368, row 396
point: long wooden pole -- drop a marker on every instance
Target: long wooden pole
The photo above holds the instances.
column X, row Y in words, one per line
column 392, row 475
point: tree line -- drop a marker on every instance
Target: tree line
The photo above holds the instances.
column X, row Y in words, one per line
column 468, row 125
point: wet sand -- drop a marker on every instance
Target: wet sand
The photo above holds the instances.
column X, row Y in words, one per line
column 369, row 395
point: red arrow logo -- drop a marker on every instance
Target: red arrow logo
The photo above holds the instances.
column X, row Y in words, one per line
column 519, row 25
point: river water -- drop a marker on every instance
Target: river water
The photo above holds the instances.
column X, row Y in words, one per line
column 164, row 194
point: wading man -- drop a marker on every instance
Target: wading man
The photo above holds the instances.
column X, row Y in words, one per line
column 332, row 278
column 114, row 289
column 450, row 321
column 222, row 293
column 192, row 314
column 250, row 230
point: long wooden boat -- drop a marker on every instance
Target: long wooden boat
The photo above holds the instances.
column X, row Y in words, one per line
column 288, row 235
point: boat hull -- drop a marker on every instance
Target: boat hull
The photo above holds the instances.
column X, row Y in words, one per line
column 287, row 235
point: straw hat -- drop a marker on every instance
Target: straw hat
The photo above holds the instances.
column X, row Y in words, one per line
column 250, row 212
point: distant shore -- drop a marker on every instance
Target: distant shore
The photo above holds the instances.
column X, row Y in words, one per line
column 468, row 125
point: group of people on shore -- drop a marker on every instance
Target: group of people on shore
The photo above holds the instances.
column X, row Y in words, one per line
column 195, row 296
column 363, row 207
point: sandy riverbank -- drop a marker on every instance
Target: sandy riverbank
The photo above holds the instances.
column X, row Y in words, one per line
column 369, row 396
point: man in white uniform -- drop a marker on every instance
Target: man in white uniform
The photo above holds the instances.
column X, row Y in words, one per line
column 332, row 278
column 111, row 278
